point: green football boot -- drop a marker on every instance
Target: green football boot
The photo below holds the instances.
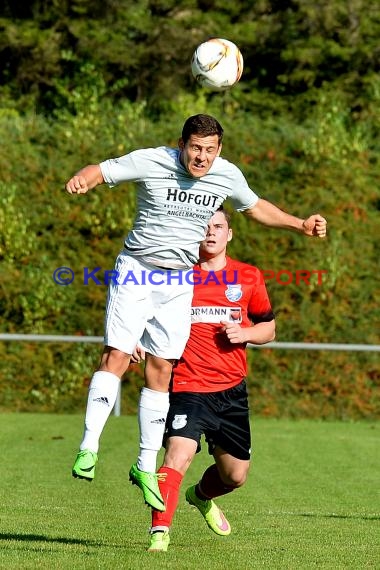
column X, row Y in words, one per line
column 84, row 466
column 212, row 514
column 159, row 541
column 148, row 483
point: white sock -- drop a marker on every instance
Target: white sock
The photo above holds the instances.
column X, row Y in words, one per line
column 102, row 394
column 153, row 409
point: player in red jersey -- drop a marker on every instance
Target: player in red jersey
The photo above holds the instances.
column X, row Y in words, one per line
column 230, row 308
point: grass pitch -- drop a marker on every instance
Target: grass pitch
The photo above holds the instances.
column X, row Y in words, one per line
column 311, row 501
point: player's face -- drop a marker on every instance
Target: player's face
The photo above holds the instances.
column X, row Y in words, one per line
column 199, row 153
column 217, row 236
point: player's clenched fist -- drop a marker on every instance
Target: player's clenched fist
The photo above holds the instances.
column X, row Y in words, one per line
column 315, row 225
column 77, row 185
column 84, row 180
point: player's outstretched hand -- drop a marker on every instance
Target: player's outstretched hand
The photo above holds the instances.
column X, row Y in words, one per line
column 315, row 225
column 77, row 185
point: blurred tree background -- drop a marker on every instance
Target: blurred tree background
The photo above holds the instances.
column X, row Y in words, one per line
column 83, row 80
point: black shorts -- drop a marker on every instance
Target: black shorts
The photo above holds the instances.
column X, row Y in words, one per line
column 223, row 417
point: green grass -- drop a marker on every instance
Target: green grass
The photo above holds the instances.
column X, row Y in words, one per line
column 311, row 500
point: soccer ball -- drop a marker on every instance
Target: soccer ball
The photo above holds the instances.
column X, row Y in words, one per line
column 217, row 64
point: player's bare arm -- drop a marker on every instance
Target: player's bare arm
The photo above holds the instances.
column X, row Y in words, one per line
column 270, row 215
column 84, row 180
column 260, row 333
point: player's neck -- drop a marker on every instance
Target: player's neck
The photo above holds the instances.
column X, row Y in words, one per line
column 216, row 263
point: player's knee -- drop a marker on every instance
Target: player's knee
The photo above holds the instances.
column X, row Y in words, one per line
column 235, row 479
column 178, row 462
column 157, row 373
column 114, row 361
column 179, row 453
column 238, row 482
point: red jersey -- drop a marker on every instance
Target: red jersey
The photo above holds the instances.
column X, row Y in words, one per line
column 210, row 363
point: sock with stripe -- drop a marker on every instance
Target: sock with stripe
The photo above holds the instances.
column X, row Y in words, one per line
column 102, row 394
column 169, row 482
column 152, row 412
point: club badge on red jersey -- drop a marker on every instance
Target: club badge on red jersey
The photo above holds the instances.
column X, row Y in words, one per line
column 233, row 293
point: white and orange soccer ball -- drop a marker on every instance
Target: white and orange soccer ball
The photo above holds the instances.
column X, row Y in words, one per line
column 217, row 64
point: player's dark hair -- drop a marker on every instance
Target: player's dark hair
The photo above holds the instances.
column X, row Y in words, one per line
column 227, row 215
column 203, row 125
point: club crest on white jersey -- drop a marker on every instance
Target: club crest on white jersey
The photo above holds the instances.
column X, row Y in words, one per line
column 233, row 293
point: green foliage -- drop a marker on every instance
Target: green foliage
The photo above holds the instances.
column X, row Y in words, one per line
column 82, row 81
column 15, row 239
column 323, row 384
column 141, row 50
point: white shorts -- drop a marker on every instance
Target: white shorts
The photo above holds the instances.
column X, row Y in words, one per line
column 150, row 305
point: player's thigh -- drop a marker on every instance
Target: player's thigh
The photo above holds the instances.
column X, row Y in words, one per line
column 168, row 330
column 233, row 434
column 129, row 305
column 187, row 416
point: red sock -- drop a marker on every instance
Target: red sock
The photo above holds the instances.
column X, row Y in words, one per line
column 169, row 482
column 211, row 485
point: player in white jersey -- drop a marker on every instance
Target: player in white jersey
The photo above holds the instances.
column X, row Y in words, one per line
column 149, row 299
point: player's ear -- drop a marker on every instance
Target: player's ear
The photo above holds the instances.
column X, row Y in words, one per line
column 230, row 234
column 219, row 150
column 181, row 144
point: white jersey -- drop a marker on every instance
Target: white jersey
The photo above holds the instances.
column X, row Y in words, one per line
column 173, row 208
